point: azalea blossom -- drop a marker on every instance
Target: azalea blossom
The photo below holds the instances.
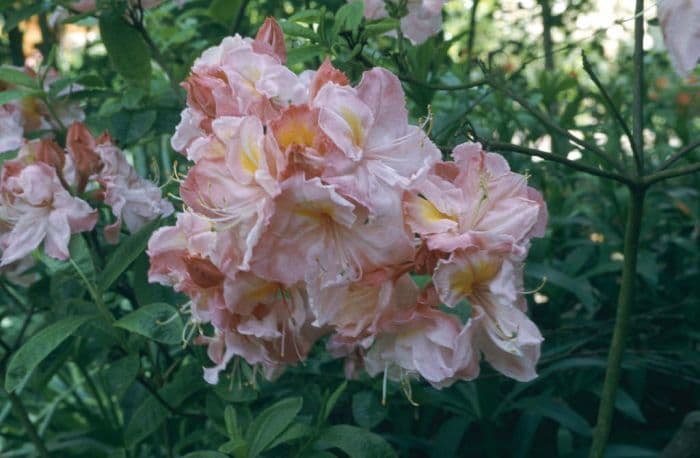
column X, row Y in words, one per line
column 35, row 207
column 424, row 18
column 310, row 204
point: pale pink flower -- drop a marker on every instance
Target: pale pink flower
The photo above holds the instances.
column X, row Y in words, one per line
column 134, row 200
column 475, row 202
column 232, row 182
column 509, row 340
column 36, row 207
column 315, row 231
column 424, row 18
column 184, row 257
column 370, row 126
column 680, row 24
column 265, row 324
column 354, row 309
column 423, row 341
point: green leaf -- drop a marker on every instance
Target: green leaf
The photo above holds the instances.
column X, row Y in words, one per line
column 294, row 432
column 38, row 347
column 125, row 254
column 160, row 322
column 225, row 11
column 628, row 451
column 349, row 17
column 118, row 377
column 126, row 47
column 206, row 454
column 304, row 53
column 17, row 77
column 354, row 441
column 270, row 423
column 231, row 421
column 292, row 29
column 367, row 410
column 13, row 19
column 559, row 412
column 129, row 126
column 148, row 417
column 9, row 96
column 333, row 399
column 381, row 27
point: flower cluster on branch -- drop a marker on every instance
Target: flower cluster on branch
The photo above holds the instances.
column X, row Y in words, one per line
column 311, row 206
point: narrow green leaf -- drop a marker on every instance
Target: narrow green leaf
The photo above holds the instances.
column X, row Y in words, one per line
column 354, row 441
column 559, row 412
column 17, row 77
column 231, row 421
column 304, row 53
column 125, row 254
column 160, row 322
column 333, row 399
column 9, row 96
column 126, row 47
column 349, row 17
column 270, row 424
column 294, row 432
column 292, row 29
column 38, row 347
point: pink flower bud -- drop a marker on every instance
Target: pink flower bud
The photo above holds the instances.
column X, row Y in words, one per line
column 81, row 146
column 270, row 40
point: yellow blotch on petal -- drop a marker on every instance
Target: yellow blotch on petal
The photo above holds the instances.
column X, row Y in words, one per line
column 356, row 131
column 250, row 158
column 430, row 212
column 476, row 272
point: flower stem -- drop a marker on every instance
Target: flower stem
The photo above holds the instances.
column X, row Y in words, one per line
column 624, row 305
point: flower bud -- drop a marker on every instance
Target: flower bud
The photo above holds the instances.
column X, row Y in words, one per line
column 270, row 40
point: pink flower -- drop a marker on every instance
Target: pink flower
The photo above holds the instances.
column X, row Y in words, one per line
column 316, row 232
column 506, row 336
column 422, row 341
column 266, row 325
column 475, row 202
column 424, row 18
column 184, row 257
column 35, row 207
column 370, row 126
column 232, row 183
column 134, row 200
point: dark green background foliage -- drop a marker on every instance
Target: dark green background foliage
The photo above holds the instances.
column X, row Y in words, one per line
column 129, row 389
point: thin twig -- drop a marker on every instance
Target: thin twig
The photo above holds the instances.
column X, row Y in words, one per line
column 638, row 89
column 682, row 152
column 443, row 87
column 549, row 122
column 588, row 68
column 498, row 146
column 671, row 173
column 173, row 410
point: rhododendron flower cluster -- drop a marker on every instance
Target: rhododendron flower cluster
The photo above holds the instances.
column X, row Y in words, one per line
column 310, row 206
column 41, row 194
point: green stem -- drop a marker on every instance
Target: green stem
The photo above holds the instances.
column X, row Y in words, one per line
column 638, row 88
column 671, row 173
column 624, row 305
